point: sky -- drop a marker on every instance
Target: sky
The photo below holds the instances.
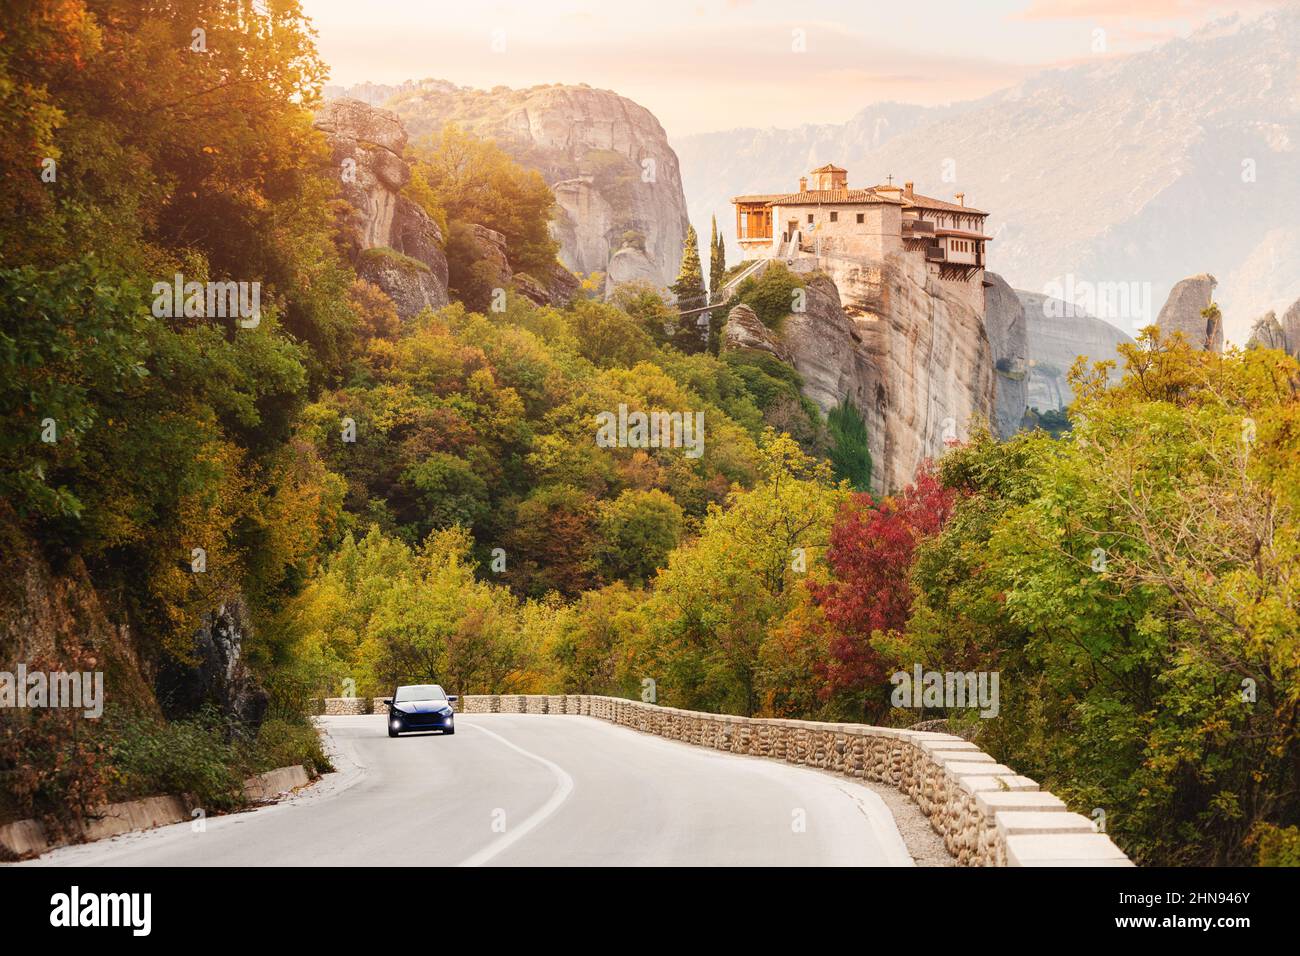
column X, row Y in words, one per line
column 702, row 65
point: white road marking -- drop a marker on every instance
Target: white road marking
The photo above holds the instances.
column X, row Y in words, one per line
column 883, row 825
column 538, row 817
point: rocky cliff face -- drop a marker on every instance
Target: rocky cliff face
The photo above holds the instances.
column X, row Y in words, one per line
column 914, row 360
column 1270, row 332
column 1291, row 327
column 619, row 202
column 59, row 620
column 56, row 620
column 1182, row 313
column 394, row 242
column 744, row 330
column 1004, row 322
column 1055, row 339
column 217, row 674
column 1267, row 333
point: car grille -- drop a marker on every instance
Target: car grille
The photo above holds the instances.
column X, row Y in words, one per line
column 423, row 720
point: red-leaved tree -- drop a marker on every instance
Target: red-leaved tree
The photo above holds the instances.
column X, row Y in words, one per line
column 871, row 549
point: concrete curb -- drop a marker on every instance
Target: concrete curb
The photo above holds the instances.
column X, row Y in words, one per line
column 987, row 814
column 25, row 838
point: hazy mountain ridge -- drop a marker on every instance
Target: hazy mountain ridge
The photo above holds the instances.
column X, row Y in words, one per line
column 1128, row 170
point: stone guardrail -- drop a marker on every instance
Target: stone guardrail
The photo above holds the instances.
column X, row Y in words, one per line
column 987, row 814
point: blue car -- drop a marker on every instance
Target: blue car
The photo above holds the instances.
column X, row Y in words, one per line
column 420, row 707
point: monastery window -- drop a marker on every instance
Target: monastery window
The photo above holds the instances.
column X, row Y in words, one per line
column 835, row 217
column 810, row 218
column 861, row 218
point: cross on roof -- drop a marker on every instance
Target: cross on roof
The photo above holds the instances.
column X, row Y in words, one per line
column 890, row 179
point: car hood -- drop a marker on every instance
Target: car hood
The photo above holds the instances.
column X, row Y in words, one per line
column 422, row 706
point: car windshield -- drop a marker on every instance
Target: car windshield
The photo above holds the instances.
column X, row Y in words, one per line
column 420, row 692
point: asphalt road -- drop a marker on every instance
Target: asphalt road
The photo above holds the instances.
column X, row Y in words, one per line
column 525, row 790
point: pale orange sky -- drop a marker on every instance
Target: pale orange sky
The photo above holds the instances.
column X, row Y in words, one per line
column 717, row 64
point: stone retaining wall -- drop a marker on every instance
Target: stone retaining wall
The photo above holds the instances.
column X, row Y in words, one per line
column 28, row 837
column 341, row 706
column 987, row 814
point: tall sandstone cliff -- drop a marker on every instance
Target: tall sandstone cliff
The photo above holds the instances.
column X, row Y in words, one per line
column 1182, row 313
column 1267, row 333
column 620, row 208
column 1007, row 329
column 1270, row 332
column 394, row 243
column 1291, row 327
column 913, row 358
column 1057, row 334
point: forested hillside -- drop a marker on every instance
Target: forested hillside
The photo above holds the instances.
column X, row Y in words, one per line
column 344, row 499
column 178, row 483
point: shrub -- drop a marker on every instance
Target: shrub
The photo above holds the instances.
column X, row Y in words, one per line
column 770, row 294
column 1278, row 846
column 384, row 256
column 283, row 743
column 193, row 757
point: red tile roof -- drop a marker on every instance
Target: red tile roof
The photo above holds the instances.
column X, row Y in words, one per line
column 839, row 197
column 892, row 194
column 929, row 202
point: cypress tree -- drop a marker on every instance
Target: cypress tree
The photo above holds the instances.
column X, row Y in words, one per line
column 691, row 294
column 689, row 287
column 717, row 262
column 850, row 457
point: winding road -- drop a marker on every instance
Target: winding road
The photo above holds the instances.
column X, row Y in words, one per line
column 527, row 790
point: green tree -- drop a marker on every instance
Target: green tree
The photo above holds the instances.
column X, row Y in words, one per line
column 550, row 545
column 850, row 453
column 448, row 490
column 770, row 294
column 460, row 178
column 168, row 431
column 690, row 294
column 711, row 610
column 591, row 640
column 717, row 262
column 441, row 625
column 1134, row 587
column 636, row 531
column 645, row 303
